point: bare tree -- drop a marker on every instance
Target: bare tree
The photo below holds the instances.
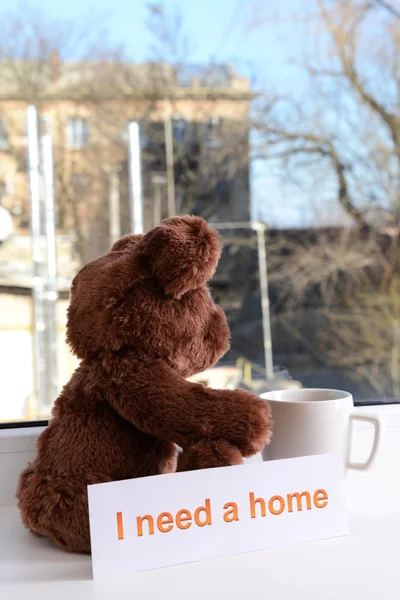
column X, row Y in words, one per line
column 341, row 301
column 344, row 130
column 59, row 67
column 348, row 121
column 71, row 73
column 392, row 10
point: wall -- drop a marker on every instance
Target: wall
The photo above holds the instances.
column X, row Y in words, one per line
column 17, row 399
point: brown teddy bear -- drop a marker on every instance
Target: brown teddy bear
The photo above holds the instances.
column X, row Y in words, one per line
column 141, row 319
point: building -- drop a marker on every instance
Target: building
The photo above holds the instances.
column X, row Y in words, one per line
column 194, row 127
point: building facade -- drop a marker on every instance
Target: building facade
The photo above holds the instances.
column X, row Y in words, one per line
column 194, row 128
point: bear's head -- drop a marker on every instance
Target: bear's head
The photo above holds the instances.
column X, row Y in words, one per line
column 149, row 295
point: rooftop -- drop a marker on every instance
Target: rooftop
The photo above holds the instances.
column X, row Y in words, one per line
column 112, row 78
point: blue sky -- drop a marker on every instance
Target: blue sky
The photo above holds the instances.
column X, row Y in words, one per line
column 220, row 30
column 206, row 23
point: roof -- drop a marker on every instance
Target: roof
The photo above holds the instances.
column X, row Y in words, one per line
column 210, row 76
column 113, row 78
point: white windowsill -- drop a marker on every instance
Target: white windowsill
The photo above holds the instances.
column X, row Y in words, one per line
column 17, row 439
column 362, row 565
column 17, row 448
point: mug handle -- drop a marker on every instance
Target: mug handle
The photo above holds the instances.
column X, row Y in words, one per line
column 378, row 424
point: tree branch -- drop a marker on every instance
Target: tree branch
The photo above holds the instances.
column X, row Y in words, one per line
column 388, row 7
column 323, row 147
column 350, row 72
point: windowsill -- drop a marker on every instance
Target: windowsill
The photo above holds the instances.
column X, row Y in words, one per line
column 362, row 565
column 19, row 439
column 23, row 439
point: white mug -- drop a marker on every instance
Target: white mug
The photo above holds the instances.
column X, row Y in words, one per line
column 316, row 421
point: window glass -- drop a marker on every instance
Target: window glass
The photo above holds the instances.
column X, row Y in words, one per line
column 212, row 132
column 179, row 127
column 278, row 123
column 78, row 133
column 3, row 135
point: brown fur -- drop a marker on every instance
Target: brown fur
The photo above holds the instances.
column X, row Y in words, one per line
column 141, row 319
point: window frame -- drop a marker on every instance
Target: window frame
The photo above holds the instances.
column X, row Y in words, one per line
column 23, row 424
column 74, row 132
column 179, row 125
column 4, row 139
column 387, row 405
column 213, row 132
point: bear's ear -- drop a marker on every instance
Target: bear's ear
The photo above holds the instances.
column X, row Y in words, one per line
column 183, row 253
column 128, row 241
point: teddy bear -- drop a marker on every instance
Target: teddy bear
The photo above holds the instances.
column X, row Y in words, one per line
column 141, row 320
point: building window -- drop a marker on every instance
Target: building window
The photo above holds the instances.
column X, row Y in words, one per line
column 7, row 185
column 77, row 133
column 3, row 136
column 212, row 132
column 3, row 189
column 179, row 127
column 143, row 133
column 81, row 180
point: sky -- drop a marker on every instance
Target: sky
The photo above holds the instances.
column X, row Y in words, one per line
column 219, row 30
column 213, row 26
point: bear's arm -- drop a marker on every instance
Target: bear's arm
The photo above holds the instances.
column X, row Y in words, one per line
column 158, row 401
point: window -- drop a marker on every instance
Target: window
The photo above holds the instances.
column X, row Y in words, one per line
column 7, row 188
column 143, row 133
column 294, row 127
column 212, row 132
column 77, row 133
column 3, row 135
column 3, row 189
column 179, row 127
column 81, row 180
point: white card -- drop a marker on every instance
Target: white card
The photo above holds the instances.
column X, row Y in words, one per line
column 151, row 522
